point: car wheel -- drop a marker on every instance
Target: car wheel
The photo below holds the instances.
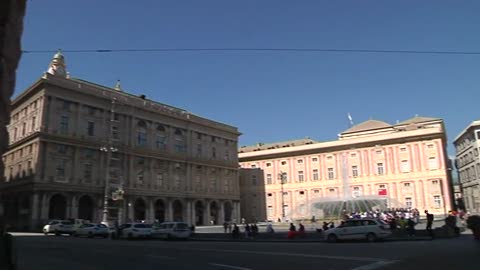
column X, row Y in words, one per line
column 332, row 238
column 371, row 237
column 45, row 232
column 57, row 233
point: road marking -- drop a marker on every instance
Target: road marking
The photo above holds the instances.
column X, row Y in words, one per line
column 230, row 266
column 160, row 257
column 374, row 265
column 345, row 258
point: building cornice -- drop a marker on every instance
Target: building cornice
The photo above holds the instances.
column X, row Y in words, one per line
column 399, row 137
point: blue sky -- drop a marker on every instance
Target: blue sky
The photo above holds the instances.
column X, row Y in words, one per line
column 272, row 96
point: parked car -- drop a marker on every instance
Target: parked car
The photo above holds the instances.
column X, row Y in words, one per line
column 135, row 230
column 359, row 229
column 59, row 227
column 92, row 230
column 170, row 230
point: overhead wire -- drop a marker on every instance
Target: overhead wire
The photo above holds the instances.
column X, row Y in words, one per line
column 301, row 50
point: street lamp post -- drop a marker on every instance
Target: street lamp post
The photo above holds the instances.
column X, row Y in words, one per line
column 283, row 177
column 106, row 196
column 108, row 149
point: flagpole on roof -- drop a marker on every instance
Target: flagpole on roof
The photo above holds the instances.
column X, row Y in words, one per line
column 350, row 119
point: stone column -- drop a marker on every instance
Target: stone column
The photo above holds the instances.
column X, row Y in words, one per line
column 151, row 211
column 221, row 214
column 206, row 216
column 74, row 207
column 188, row 211
column 44, row 208
column 169, row 210
column 130, row 210
column 239, row 214
column 35, row 211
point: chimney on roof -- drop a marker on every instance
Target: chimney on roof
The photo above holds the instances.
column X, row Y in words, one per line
column 142, row 96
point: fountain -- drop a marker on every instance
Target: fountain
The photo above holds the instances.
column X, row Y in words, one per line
column 336, row 208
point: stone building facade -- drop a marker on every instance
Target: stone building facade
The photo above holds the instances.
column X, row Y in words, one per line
column 76, row 147
column 467, row 162
column 404, row 163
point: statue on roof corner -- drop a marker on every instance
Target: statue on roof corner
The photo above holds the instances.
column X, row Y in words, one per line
column 57, row 66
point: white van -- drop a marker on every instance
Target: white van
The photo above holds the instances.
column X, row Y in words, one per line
column 170, row 230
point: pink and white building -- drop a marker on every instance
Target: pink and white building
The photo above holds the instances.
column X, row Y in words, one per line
column 405, row 162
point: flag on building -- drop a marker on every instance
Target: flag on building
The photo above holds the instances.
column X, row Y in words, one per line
column 382, row 192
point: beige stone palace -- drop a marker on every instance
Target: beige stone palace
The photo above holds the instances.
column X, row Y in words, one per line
column 82, row 150
column 404, row 163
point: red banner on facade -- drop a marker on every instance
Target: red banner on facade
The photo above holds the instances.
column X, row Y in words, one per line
column 382, row 192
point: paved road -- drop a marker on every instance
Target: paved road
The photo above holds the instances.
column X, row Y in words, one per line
column 39, row 252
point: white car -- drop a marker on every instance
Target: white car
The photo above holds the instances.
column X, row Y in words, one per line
column 135, row 230
column 169, row 230
column 359, row 229
column 59, row 227
column 92, row 230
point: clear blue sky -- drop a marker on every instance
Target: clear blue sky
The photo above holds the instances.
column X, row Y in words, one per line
column 272, row 96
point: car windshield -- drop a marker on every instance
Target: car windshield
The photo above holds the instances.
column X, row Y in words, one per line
column 67, row 223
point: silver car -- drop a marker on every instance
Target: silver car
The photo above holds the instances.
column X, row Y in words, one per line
column 359, row 229
column 170, row 230
column 92, row 230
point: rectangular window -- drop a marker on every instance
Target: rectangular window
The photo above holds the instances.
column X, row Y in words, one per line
column 24, row 128
column 61, row 148
column 140, row 177
column 405, row 166
column 60, row 169
column 330, row 173
column 115, row 133
column 199, row 150
column 314, row 159
column 406, row 185
column 437, row 201
column 283, row 163
column 300, row 177
column 403, row 149
column 87, row 172
column 213, row 183
column 269, row 179
column 141, row 138
column 380, row 168
column 300, row 161
column 160, row 142
column 270, row 211
column 355, row 171
column 64, row 124
column 214, row 151
column 66, row 105
column 159, row 179
column 91, row 128
column 432, row 163
column 353, row 155
column 268, row 164
column 315, row 175
column 34, row 122
column 29, row 167
column 15, row 134
column 356, row 191
column 408, row 202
